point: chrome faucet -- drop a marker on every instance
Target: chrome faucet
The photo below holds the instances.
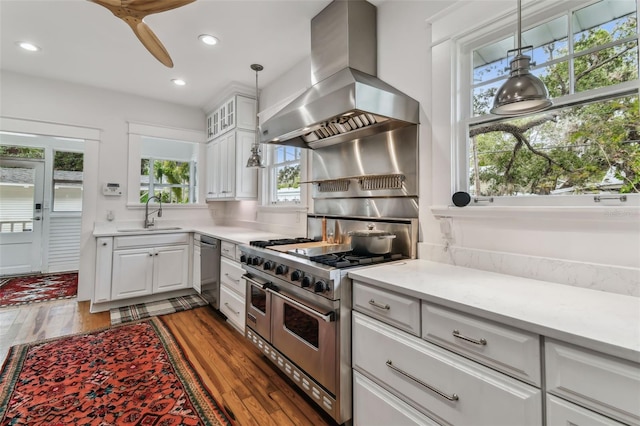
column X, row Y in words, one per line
column 150, row 223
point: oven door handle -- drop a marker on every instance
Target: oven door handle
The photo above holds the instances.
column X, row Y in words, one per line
column 325, row 317
column 253, row 281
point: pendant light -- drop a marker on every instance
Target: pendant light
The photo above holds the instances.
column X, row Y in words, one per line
column 523, row 92
column 255, row 161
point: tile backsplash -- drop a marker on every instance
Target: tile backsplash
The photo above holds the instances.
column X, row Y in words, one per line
column 610, row 278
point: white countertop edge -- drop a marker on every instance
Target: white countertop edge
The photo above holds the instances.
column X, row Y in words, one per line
column 232, row 234
column 496, row 303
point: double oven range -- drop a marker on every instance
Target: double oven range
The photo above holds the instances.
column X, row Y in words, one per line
column 299, row 304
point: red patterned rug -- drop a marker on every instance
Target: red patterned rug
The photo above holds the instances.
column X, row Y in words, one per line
column 37, row 288
column 132, row 374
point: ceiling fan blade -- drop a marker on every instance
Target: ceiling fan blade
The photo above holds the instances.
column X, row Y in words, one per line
column 151, row 42
column 133, row 11
column 147, row 7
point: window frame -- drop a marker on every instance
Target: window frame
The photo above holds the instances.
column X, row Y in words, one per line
column 463, row 117
column 54, row 181
column 136, row 133
column 270, row 178
column 192, row 186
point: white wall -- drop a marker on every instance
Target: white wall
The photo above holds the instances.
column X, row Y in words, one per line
column 593, row 251
column 42, row 100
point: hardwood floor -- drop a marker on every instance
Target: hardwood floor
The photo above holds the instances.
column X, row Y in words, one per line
column 240, row 378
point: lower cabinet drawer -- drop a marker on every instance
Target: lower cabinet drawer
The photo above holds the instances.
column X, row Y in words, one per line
column 393, row 308
column 507, row 349
column 233, row 306
column 561, row 412
column 231, row 275
column 447, row 387
column 605, row 384
column 389, row 409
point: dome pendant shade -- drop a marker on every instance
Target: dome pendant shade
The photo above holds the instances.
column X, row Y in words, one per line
column 522, row 93
column 254, row 160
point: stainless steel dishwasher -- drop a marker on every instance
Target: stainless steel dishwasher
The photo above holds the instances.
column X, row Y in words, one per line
column 210, row 270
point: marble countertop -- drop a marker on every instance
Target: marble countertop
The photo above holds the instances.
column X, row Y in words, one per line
column 232, row 234
column 605, row 322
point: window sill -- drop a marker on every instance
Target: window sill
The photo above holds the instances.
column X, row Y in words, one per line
column 573, row 213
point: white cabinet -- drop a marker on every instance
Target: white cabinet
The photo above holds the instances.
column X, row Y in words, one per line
column 389, row 409
column 466, row 369
column 395, row 309
column 596, row 381
column 170, row 268
column 141, row 265
column 443, row 385
column 507, row 349
column 238, row 112
column 228, row 178
column 561, row 412
column 132, row 273
column 232, row 286
column 104, row 254
column 144, row 271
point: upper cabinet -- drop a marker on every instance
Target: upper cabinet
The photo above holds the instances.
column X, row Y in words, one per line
column 228, row 178
column 237, row 112
column 231, row 130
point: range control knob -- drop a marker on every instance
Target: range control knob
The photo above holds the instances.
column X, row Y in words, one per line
column 320, row 287
column 268, row 265
column 306, row 282
column 256, row 261
column 296, row 275
column 281, row 270
column 243, row 258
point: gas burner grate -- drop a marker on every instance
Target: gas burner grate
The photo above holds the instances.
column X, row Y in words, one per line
column 280, row 242
column 348, row 259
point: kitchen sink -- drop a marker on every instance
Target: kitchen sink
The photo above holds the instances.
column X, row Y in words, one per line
column 159, row 228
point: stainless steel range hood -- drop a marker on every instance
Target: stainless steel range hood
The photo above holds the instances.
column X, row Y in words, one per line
column 347, row 101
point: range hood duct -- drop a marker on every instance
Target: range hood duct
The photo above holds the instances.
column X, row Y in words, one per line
column 347, row 101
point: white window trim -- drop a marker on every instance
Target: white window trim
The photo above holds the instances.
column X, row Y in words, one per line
column 135, row 133
column 269, row 181
column 449, row 76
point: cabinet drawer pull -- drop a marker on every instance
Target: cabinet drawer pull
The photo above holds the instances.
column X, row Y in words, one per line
column 231, row 278
column 452, row 397
column 229, row 307
column 481, row 342
column 379, row 305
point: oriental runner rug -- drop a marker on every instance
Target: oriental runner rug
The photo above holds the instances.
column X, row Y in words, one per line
column 38, row 288
column 152, row 309
column 133, row 374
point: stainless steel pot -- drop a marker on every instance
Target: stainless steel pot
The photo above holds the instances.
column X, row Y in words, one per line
column 371, row 241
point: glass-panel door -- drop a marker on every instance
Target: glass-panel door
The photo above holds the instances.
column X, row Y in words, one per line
column 21, row 210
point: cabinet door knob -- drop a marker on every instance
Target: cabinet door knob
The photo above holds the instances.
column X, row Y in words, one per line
column 104, row 244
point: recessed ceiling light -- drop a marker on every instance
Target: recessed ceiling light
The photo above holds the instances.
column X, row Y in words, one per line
column 208, row 39
column 28, row 46
column 179, row 82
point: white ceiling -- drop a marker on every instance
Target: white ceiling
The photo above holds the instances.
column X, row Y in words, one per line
column 84, row 43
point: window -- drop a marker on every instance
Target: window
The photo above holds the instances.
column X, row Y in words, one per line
column 168, row 180
column 67, row 181
column 284, row 171
column 589, row 142
column 168, row 170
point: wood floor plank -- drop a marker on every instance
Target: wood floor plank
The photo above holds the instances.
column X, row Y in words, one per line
column 236, row 372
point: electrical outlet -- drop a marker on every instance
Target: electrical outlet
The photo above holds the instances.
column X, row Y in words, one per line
column 445, row 227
